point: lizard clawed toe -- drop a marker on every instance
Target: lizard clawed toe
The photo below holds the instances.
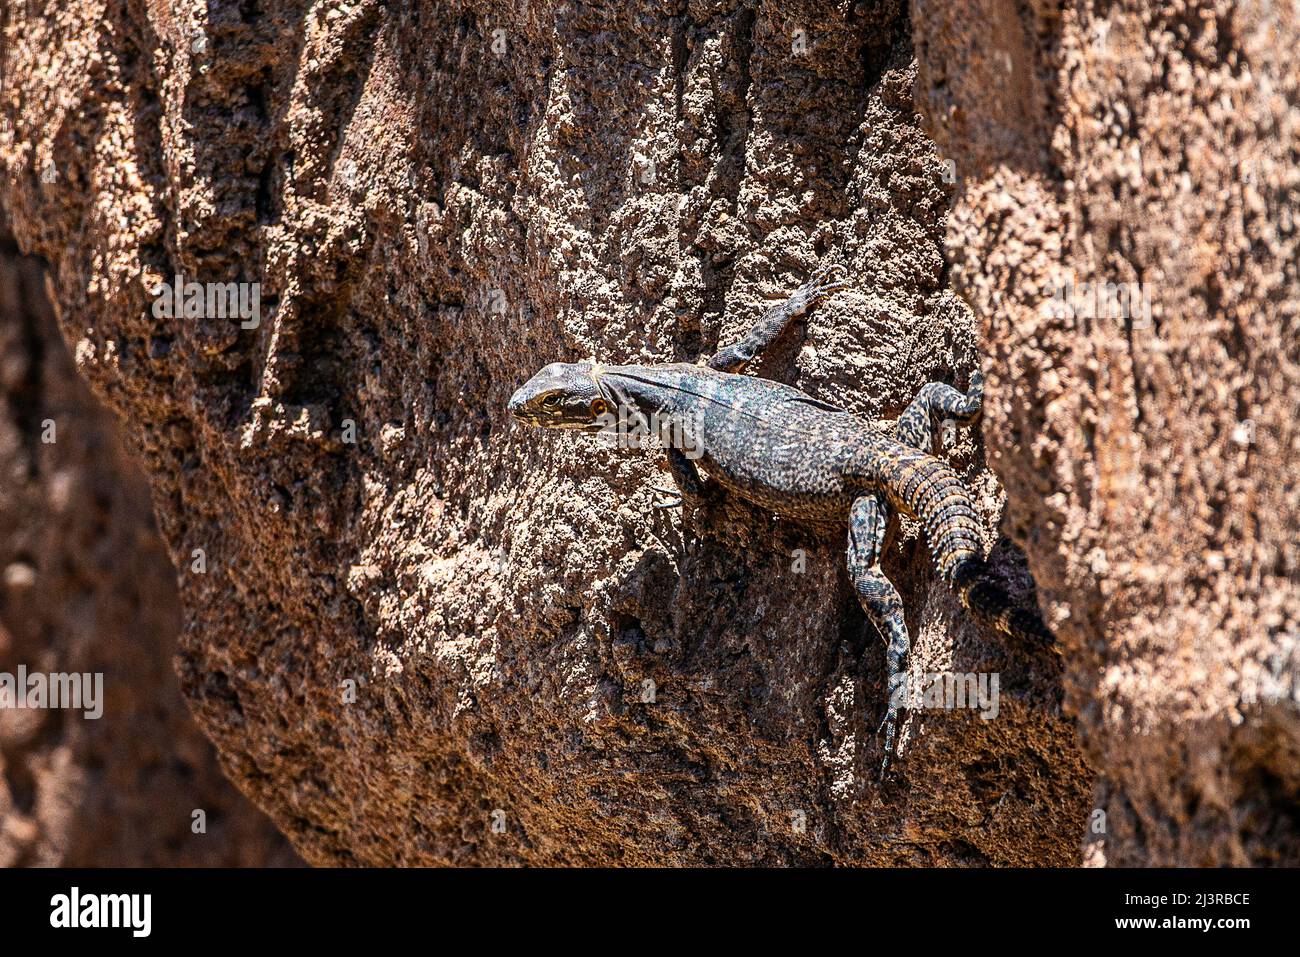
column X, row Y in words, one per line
column 672, row 497
column 830, row 278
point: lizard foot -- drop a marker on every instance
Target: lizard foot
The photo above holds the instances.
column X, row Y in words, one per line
column 830, row 278
column 665, row 497
column 890, row 725
column 670, row 497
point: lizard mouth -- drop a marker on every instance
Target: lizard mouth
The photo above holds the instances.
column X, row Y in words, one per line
column 544, row 421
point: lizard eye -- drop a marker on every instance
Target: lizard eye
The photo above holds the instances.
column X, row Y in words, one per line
column 551, row 402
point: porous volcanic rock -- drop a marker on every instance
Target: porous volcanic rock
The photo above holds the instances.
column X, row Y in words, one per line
column 1149, row 454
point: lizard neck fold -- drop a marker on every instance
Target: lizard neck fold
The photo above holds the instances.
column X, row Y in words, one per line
column 666, row 389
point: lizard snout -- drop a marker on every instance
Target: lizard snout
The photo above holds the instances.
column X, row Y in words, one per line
column 517, row 403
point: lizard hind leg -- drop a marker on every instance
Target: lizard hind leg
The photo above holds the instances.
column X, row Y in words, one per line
column 880, row 600
column 949, row 517
column 938, row 402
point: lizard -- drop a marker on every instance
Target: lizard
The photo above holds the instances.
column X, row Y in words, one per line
column 804, row 459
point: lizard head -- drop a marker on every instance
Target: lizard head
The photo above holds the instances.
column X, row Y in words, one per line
column 564, row 395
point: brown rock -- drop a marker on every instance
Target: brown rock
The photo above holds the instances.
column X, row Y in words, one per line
column 1149, row 457
column 436, row 205
column 87, row 588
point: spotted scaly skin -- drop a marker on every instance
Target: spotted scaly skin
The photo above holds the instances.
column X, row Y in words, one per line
column 803, row 459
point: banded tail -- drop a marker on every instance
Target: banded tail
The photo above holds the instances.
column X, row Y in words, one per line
column 927, row 488
column 989, row 603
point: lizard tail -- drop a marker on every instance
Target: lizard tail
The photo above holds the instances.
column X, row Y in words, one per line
column 929, row 489
column 989, row 603
column 953, row 531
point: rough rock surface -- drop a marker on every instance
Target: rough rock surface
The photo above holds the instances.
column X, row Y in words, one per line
column 86, row 586
column 452, row 640
column 1150, row 459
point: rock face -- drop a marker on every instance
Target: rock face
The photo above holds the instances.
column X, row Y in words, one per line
column 418, row 634
column 86, row 587
column 1149, row 457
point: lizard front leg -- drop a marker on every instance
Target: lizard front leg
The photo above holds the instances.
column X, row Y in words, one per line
column 735, row 357
column 881, row 602
column 691, row 488
column 938, row 402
